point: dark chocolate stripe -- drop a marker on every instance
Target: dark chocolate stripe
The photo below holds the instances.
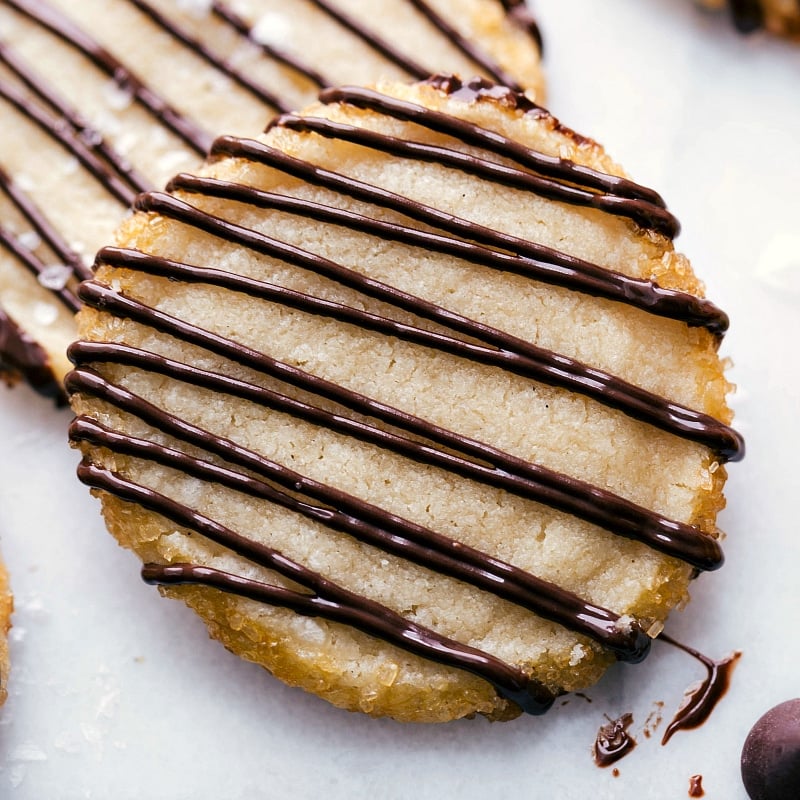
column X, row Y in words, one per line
column 480, row 167
column 62, row 27
column 262, row 153
column 209, row 56
column 34, row 265
column 240, row 25
column 341, row 604
column 470, row 133
column 537, row 363
column 468, row 48
column 394, row 535
column 65, row 136
column 509, row 682
column 519, row 12
column 377, row 43
column 87, row 134
column 549, row 266
column 464, row 456
column 35, row 216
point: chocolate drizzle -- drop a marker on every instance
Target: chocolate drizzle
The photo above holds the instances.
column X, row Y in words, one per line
column 62, row 27
column 400, row 432
column 328, row 600
column 613, row 741
column 702, row 700
column 69, row 130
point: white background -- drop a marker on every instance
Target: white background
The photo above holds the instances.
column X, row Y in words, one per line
column 118, row 694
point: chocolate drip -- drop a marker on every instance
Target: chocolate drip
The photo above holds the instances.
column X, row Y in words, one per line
column 549, row 266
column 701, row 701
column 748, row 15
column 613, row 741
column 327, row 599
column 126, row 79
column 696, row 786
column 536, row 363
column 210, row 57
column 23, row 357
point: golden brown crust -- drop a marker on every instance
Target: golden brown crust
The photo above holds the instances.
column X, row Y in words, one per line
column 551, row 426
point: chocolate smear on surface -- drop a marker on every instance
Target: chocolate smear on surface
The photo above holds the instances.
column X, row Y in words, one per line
column 701, row 699
column 613, row 741
column 696, row 786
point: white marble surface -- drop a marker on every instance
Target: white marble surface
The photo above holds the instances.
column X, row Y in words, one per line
column 116, row 693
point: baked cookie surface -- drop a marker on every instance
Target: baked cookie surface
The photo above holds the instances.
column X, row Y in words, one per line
column 102, row 99
column 418, row 381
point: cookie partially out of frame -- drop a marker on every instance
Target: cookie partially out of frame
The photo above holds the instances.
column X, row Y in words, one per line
column 411, row 399
column 102, row 99
column 781, row 17
column 6, row 607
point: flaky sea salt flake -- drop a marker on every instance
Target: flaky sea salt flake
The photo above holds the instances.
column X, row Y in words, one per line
column 55, row 276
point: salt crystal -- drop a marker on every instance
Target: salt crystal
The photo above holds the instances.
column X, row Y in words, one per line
column 273, row 29
column 172, row 161
column 25, row 182
column 30, row 239
column 108, row 704
column 117, row 97
column 71, row 166
column 45, row 313
column 55, row 276
column 576, row 655
column 198, row 8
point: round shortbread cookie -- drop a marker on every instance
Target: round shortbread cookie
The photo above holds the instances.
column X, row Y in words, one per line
column 102, row 99
column 412, row 399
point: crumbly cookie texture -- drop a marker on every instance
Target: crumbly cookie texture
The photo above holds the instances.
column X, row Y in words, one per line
column 370, row 268
column 6, row 608
column 152, row 100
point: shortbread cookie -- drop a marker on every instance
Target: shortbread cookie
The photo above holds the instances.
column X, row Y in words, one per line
column 778, row 16
column 102, row 99
column 411, row 399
